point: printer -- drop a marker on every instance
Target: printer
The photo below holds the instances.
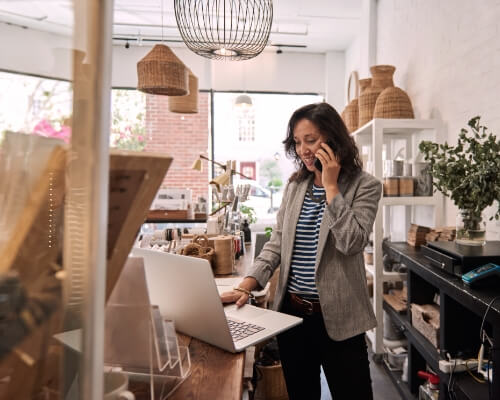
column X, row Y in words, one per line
column 458, row 259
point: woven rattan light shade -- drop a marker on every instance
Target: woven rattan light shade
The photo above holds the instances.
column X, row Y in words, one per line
column 186, row 104
column 161, row 72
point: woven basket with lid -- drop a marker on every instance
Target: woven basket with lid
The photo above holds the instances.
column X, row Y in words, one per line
column 382, row 78
column 186, row 104
column 161, row 72
column 393, row 102
column 350, row 113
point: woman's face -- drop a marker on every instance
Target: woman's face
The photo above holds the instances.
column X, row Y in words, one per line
column 308, row 141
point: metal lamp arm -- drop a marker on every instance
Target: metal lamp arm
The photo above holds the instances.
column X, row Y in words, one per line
column 223, row 166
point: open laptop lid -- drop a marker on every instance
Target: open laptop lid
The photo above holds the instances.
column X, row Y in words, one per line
column 185, row 291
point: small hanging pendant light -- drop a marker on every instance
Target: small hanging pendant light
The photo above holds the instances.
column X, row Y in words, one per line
column 161, row 72
column 186, row 104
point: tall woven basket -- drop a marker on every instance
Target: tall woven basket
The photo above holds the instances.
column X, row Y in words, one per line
column 364, row 84
column 186, row 104
column 350, row 113
column 161, row 72
column 381, row 78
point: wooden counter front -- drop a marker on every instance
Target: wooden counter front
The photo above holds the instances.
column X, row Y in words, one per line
column 215, row 373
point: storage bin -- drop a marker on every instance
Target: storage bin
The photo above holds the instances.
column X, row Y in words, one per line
column 270, row 383
column 425, row 319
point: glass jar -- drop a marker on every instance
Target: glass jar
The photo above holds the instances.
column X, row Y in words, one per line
column 471, row 228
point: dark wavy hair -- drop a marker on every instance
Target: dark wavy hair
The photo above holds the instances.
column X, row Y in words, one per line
column 331, row 126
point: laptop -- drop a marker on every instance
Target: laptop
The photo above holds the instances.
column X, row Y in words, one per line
column 184, row 289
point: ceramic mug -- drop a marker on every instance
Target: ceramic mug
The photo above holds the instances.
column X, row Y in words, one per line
column 115, row 386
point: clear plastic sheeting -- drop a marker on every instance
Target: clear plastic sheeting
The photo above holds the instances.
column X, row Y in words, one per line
column 32, row 190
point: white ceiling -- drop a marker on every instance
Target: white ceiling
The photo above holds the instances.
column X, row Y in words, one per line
column 319, row 25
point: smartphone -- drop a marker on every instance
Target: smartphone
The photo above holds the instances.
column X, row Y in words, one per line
column 317, row 163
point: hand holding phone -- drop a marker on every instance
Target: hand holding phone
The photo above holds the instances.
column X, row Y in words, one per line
column 317, row 163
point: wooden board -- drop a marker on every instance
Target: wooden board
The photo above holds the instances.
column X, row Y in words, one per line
column 134, row 179
column 32, row 252
column 35, row 237
column 167, row 215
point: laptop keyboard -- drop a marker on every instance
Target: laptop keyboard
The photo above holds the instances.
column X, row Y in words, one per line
column 240, row 330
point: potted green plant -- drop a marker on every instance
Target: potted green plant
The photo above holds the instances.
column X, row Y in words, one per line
column 468, row 173
column 248, row 213
column 248, row 218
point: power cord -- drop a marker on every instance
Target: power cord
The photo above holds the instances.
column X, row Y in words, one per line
column 451, row 382
column 469, row 371
column 483, row 337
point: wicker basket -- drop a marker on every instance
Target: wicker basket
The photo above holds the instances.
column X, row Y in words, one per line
column 364, row 84
column 350, row 113
column 393, row 102
column 271, row 385
column 195, row 250
column 161, row 72
column 382, row 78
column 186, row 104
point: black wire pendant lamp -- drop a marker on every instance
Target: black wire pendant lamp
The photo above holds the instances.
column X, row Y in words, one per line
column 225, row 29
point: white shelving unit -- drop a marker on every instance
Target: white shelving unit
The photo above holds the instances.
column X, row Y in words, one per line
column 382, row 139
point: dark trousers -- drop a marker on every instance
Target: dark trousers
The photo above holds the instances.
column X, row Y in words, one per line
column 306, row 347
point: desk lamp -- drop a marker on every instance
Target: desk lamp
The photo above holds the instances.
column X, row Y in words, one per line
column 228, row 167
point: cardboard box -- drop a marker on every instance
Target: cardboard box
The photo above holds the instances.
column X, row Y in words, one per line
column 425, row 319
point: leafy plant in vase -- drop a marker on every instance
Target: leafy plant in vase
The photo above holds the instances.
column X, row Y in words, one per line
column 249, row 218
column 468, row 173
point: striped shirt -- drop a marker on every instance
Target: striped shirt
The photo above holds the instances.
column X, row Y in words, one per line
column 301, row 279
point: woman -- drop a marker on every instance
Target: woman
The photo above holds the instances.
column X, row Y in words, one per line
column 323, row 225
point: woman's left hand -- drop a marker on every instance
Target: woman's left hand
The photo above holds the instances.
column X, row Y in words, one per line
column 331, row 170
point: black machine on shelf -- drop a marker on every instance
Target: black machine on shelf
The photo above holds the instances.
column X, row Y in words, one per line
column 459, row 259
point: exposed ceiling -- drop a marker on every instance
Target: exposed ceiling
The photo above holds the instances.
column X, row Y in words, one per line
column 298, row 25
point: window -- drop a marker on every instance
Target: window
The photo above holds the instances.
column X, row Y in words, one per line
column 32, row 104
column 246, row 125
column 253, row 137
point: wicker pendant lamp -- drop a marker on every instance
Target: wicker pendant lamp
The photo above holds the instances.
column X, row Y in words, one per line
column 186, row 104
column 161, row 72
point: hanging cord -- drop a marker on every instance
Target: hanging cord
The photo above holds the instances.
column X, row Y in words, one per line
column 162, row 36
column 483, row 337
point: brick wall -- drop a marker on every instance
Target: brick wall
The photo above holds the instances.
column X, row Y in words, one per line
column 447, row 58
column 182, row 136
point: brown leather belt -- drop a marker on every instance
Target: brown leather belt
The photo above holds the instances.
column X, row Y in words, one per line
column 306, row 307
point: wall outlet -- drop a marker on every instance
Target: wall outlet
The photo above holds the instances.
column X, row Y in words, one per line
column 458, row 365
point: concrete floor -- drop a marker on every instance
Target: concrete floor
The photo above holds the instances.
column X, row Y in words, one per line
column 382, row 386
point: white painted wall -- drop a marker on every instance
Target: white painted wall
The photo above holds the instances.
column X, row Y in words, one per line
column 40, row 53
column 447, row 58
column 272, row 72
column 34, row 52
column 334, row 79
column 353, row 60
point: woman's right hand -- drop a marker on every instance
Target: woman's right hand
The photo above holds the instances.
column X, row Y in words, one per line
column 240, row 297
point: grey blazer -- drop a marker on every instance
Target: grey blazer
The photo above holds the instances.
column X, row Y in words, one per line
column 340, row 272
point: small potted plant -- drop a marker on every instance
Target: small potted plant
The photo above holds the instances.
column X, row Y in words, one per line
column 468, row 173
column 249, row 218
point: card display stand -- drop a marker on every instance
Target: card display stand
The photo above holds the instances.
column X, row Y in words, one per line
column 149, row 351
